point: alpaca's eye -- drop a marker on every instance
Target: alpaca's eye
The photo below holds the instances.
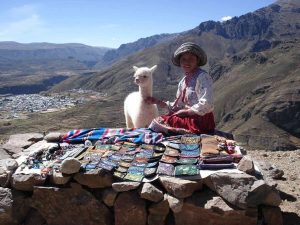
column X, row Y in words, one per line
column 144, row 76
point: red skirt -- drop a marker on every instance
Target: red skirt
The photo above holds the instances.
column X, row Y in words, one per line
column 173, row 124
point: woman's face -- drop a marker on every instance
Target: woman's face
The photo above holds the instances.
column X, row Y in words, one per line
column 188, row 62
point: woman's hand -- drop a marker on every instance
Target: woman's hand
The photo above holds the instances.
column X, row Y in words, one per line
column 152, row 100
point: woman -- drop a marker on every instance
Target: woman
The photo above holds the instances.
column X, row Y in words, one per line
column 192, row 110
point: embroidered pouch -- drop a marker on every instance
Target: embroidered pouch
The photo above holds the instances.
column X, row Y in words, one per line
column 115, row 147
column 190, row 154
column 107, row 153
column 159, row 148
column 124, row 164
column 134, row 177
column 148, row 172
column 122, row 169
column 157, row 154
column 141, row 159
column 165, row 169
column 130, row 144
column 187, row 161
column 190, row 139
column 106, row 166
column 171, row 152
column 173, row 145
column 148, row 146
column 119, row 174
column 103, row 147
column 152, row 164
column 136, row 170
column 109, row 162
column 140, row 164
column 90, row 166
column 186, row 170
column 95, row 157
column 127, row 158
column 168, row 159
column 218, row 160
column 189, row 147
column 216, row 166
column 209, row 145
column 115, row 157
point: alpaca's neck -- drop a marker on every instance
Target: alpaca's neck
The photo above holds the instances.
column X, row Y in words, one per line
column 146, row 91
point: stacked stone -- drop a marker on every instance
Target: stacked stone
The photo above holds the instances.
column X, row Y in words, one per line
column 96, row 197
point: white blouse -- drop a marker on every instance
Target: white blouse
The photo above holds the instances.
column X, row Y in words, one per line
column 198, row 94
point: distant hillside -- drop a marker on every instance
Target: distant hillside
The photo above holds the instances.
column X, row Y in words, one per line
column 124, row 50
column 254, row 61
column 34, row 67
column 81, row 52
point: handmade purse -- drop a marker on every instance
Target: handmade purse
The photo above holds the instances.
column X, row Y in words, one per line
column 165, row 169
column 186, row 170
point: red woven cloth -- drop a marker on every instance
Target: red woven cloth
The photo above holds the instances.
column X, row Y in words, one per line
column 195, row 124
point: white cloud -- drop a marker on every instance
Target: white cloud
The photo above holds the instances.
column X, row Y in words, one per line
column 21, row 21
column 225, row 18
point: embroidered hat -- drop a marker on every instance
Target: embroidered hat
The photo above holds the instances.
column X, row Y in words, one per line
column 192, row 48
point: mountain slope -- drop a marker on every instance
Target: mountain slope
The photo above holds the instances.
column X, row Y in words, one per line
column 254, row 61
column 34, row 67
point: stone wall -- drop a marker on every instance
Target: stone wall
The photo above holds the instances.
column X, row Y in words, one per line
column 97, row 197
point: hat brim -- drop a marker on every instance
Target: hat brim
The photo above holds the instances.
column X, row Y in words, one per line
column 191, row 48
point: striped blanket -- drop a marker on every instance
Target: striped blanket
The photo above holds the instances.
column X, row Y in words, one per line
column 113, row 135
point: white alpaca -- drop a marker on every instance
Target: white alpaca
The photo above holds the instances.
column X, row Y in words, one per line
column 137, row 112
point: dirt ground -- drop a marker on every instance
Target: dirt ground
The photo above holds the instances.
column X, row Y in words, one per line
column 289, row 184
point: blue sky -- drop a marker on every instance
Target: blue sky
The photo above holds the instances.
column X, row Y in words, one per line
column 109, row 23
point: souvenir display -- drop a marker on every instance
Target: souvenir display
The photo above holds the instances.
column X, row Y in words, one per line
column 184, row 155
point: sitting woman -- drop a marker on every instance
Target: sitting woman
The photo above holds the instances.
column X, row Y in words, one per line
column 192, row 110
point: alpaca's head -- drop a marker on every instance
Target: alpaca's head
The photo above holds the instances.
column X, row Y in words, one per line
column 143, row 75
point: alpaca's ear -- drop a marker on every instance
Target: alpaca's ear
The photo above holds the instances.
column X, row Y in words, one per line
column 153, row 68
column 135, row 68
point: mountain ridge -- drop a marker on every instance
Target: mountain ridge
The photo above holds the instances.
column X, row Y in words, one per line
column 253, row 60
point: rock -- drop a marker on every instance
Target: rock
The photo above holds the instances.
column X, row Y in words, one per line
column 272, row 215
column 151, row 193
column 269, row 171
column 207, row 208
column 37, row 147
column 233, row 187
column 276, row 173
column 53, row 137
column 25, row 182
column 96, row 178
column 109, row 197
column 180, row 188
column 6, row 206
column 175, row 204
column 14, row 206
column 17, row 142
column 70, row 166
column 158, row 212
column 69, row 206
column 4, row 177
column 34, row 218
column 130, row 209
column 262, row 194
column 59, row 178
column 11, row 164
column 246, row 165
column 217, row 204
column 125, row 186
column 4, row 154
column 12, row 150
